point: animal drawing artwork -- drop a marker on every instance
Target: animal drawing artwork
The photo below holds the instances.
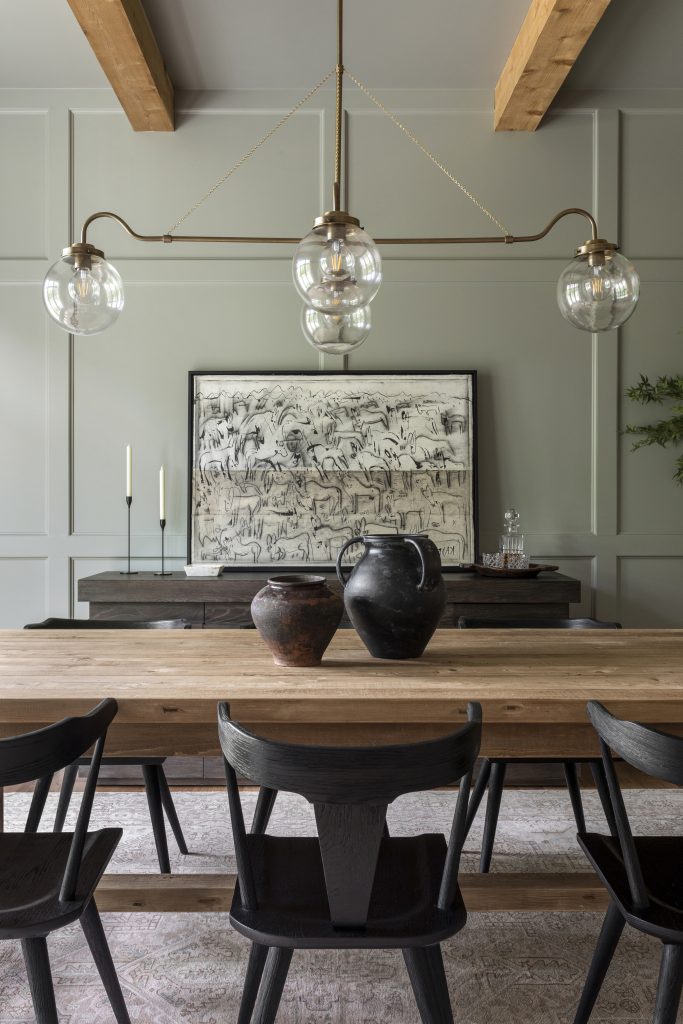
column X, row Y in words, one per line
column 239, row 550
column 286, row 468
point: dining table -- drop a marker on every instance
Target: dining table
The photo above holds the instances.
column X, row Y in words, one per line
column 533, row 686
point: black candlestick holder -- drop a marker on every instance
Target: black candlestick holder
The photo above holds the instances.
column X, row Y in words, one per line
column 128, row 571
column 162, row 523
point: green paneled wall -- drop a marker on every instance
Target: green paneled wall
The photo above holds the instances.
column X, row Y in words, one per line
column 550, row 405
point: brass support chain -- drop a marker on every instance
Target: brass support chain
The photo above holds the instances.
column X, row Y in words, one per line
column 413, row 138
column 269, row 134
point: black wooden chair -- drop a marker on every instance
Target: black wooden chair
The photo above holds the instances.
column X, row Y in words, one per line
column 47, row 879
column 353, row 886
column 159, row 797
column 493, row 770
column 643, row 875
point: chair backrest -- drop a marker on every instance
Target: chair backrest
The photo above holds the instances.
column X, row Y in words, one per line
column 33, row 755
column 466, row 622
column 38, row 755
column 652, row 752
column 350, row 789
column 55, row 623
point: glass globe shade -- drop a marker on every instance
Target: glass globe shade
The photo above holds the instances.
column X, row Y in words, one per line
column 84, row 296
column 598, row 298
column 337, row 268
column 334, row 333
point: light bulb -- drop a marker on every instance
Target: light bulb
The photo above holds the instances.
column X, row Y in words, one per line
column 83, row 293
column 335, row 333
column 83, row 288
column 337, row 268
column 598, row 297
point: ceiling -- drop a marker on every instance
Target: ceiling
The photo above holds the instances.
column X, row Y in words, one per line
column 226, row 44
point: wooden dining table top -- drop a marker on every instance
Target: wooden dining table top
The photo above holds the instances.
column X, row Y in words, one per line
column 520, row 676
column 533, row 686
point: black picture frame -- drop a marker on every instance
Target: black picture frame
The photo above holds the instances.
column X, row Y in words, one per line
column 266, row 375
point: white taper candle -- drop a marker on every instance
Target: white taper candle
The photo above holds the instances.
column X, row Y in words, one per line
column 162, row 494
column 129, row 471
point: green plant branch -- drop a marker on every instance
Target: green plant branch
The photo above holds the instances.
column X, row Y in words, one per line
column 665, row 431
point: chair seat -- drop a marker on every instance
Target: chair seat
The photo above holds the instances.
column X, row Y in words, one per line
column 31, row 871
column 292, row 901
column 661, row 860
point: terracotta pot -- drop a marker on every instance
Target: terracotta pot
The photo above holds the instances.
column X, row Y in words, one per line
column 297, row 616
column 395, row 595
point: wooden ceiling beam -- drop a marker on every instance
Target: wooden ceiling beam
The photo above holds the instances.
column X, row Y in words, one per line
column 123, row 42
column 552, row 37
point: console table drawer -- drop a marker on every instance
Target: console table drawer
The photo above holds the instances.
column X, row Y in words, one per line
column 144, row 611
column 227, row 616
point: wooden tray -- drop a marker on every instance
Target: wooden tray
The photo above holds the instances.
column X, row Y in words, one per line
column 530, row 573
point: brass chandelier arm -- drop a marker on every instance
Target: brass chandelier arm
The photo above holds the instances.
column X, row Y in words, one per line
column 269, row 240
column 119, row 220
column 505, row 239
column 571, row 210
column 266, row 240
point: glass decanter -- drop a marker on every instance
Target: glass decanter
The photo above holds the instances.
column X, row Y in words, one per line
column 511, row 541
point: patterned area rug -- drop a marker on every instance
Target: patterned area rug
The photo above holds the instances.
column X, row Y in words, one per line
column 502, row 968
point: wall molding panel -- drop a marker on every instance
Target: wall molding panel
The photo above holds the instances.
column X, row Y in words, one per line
column 551, row 400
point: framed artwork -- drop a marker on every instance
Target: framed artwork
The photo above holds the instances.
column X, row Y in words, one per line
column 285, row 467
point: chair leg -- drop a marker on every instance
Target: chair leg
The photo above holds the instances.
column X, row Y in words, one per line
column 270, row 992
column 40, row 980
column 428, row 978
column 477, row 794
column 612, row 927
column 91, row 924
column 669, row 985
column 171, row 813
column 571, row 774
column 35, row 811
column 65, row 793
column 264, row 808
column 598, row 770
column 496, row 784
column 252, row 981
column 156, row 813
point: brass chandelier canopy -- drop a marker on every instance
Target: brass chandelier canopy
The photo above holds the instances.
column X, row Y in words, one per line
column 337, row 267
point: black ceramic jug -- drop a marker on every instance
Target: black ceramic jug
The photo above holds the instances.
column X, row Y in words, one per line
column 395, row 595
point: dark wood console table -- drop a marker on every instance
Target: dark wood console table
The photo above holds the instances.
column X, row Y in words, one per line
column 222, row 602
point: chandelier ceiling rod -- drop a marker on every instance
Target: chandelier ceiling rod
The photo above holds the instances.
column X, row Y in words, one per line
column 338, row 108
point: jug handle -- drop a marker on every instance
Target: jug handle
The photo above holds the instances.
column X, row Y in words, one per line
column 340, row 572
column 423, row 563
column 429, row 560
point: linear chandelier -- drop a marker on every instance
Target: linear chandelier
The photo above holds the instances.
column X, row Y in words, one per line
column 337, row 267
